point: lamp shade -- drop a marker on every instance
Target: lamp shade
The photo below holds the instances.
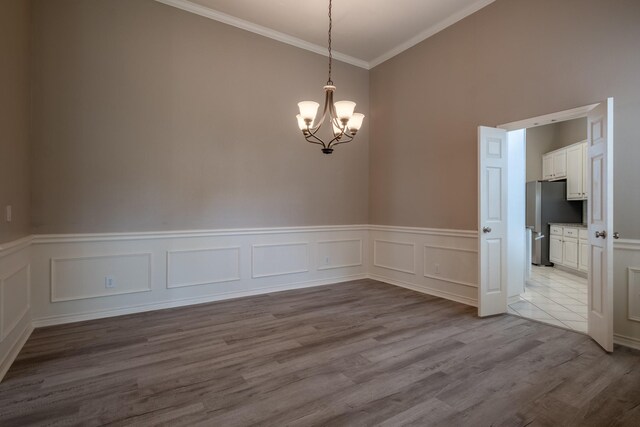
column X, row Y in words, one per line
column 301, row 124
column 308, row 109
column 344, row 109
column 355, row 122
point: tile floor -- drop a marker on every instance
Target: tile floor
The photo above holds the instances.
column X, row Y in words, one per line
column 555, row 297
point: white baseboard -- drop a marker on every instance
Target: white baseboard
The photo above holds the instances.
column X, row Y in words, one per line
column 425, row 290
column 626, row 341
column 63, row 319
column 10, row 357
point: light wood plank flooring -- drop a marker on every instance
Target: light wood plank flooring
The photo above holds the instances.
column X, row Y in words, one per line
column 357, row 353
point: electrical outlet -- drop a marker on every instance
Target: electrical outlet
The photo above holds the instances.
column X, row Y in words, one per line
column 109, row 282
column 436, row 268
column 7, row 213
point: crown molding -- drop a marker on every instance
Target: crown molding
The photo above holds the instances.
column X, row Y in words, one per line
column 447, row 22
column 206, row 12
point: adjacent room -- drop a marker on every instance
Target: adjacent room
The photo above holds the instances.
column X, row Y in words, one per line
column 322, row 212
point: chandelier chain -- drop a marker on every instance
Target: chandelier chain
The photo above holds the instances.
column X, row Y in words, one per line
column 330, row 82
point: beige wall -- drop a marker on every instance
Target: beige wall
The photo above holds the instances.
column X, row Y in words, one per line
column 543, row 139
column 512, row 60
column 14, row 117
column 147, row 117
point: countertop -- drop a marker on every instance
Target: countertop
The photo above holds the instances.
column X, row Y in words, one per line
column 565, row 224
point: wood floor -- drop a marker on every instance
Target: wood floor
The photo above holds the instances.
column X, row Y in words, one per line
column 357, row 353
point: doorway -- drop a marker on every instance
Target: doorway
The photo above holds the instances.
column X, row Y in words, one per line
column 577, row 255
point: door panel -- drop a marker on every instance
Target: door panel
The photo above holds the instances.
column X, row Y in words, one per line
column 600, row 223
column 492, row 220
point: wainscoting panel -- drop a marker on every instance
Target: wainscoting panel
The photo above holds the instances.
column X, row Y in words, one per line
column 394, row 255
column 85, row 277
column 193, row 267
column 279, row 259
column 626, row 292
column 443, row 263
column 339, row 253
column 170, row 269
column 15, row 300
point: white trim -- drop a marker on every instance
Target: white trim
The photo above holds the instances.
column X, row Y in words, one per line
column 434, row 29
column 626, row 245
column 425, row 290
column 99, row 314
column 467, row 234
column 53, row 262
column 282, row 273
column 40, row 239
column 185, row 285
column 10, row 247
column 413, row 255
column 450, row 248
column 560, row 116
column 263, row 31
column 331, row 267
column 5, row 330
column 626, row 341
column 456, row 282
column 8, row 360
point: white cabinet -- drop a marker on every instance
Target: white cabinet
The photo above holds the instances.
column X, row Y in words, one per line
column 570, row 252
column 555, row 249
column 554, row 165
column 547, row 166
column 569, row 247
column 576, row 172
column 585, row 156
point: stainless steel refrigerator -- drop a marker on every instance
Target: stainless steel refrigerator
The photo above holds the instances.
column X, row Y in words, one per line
column 546, row 203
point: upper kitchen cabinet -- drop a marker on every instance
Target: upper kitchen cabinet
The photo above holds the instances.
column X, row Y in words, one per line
column 577, row 171
column 554, row 165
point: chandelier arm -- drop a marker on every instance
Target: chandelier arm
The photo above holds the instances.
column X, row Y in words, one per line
column 338, row 141
column 317, row 140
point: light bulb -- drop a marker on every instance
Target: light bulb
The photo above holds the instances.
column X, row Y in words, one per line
column 308, row 109
column 344, row 109
column 355, row 123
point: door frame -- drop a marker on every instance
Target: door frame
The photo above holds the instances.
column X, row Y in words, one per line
column 552, row 118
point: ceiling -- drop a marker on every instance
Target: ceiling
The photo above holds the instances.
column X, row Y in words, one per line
column 365, row 32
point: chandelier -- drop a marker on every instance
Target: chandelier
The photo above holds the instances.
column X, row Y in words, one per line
column 344, row 121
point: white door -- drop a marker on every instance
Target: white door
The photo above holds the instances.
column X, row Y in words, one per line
column 492, row 220
column 600, row 217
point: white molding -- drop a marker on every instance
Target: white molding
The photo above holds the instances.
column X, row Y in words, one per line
column 450, row 248
column 413, row 255
column 53, row 261
column 434, row 29
column 5, row 330
column 467, row 234
column 426, row 290
column 41, row 239
column 283, row 273
column 454, row 281
column 631, row 271
column 332, row 267
column 8, row 248
column 263, row 31
column 626, row 245
column 11, row 355
column 99, row 314
column 560, row 116
column 626, row 341
column 185, row 285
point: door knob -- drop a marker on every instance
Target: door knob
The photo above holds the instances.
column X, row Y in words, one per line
column 486, row 229
column 602, row 234
column 616, row 235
